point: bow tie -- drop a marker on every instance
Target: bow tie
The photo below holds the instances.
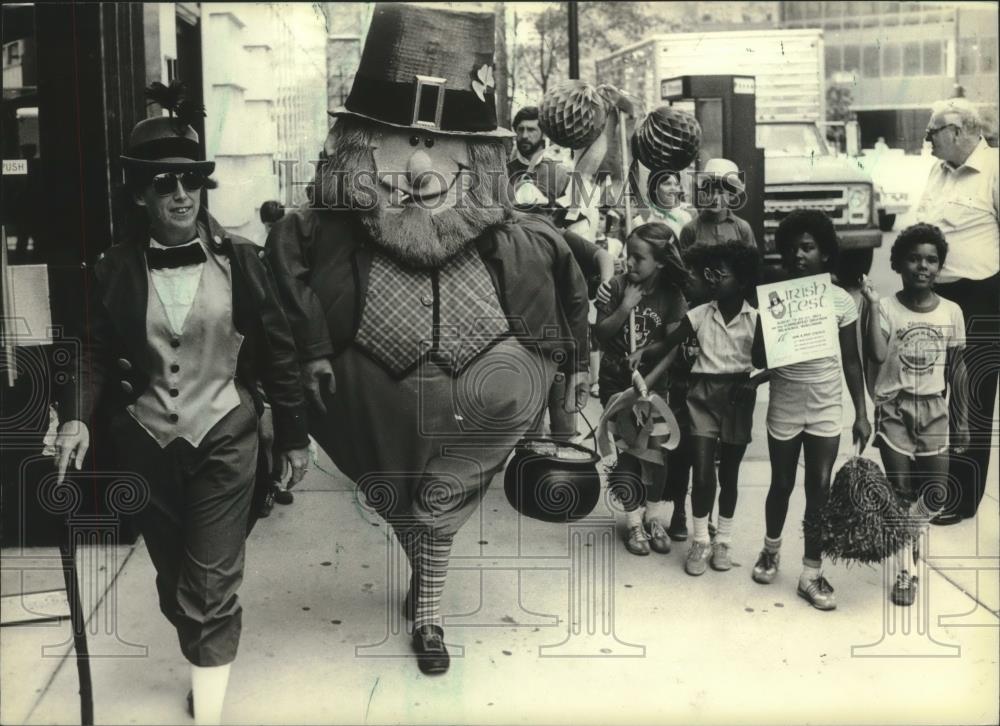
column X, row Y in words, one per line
column 170, row 257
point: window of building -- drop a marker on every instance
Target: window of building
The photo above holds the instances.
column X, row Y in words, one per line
column 869, row 61
column 833, row 63
column 987, row 55
column 811, row 10
column 911, row 59
column 968, row 49
column 933, row 58
column 891, row 60
column 852, row 58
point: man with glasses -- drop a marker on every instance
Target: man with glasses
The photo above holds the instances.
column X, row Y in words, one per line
column 182, row 325
column 961, row 197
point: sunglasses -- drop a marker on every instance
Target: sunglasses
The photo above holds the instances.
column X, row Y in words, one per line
column 166, row 183
column 931, row 133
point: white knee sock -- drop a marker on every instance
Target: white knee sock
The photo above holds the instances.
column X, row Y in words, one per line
column 208, row 684
column 724, row 534
column 700, row 525
column 635, row 517
column 660, row 511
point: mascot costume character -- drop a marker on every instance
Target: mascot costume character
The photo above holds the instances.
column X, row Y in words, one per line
column 430, row 318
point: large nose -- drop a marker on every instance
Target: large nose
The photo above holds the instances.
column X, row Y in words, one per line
column 417, row 169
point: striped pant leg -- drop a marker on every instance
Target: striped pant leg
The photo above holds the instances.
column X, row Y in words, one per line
column 432, row 554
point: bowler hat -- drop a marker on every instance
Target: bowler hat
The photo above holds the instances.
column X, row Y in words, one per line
column 428, row 69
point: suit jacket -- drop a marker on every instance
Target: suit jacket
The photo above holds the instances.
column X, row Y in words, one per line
column 321, row 260
column 114, row 361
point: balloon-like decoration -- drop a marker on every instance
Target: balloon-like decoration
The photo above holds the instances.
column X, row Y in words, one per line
column 573, row 114
column 667, row 140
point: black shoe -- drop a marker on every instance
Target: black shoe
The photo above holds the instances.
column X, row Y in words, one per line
column 432, row 655
column 190, row 703
column 266, row 506
column 678, row 531
column 943, row 520
column 283, row 496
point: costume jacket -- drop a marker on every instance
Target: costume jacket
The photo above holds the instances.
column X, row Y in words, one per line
column 115, row 357
column 322, row 260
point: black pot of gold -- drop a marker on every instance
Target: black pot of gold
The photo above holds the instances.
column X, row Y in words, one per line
column 552, row 481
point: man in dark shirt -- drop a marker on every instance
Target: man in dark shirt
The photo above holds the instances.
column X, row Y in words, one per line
column 528, row 147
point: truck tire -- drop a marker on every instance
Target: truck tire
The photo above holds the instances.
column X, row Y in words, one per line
column 852, row 264
column 886, row 221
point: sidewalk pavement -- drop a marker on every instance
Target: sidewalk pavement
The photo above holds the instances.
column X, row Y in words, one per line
column 546, row 624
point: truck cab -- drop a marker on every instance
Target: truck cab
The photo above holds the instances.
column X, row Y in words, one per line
column 801, row 171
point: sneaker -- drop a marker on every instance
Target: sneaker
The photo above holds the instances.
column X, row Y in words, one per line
column 904, row 592
column 766, row 568
column 819, row 593
column 678, row 531
column 636, row 542
column 697, row 558
column 658, row 538
column 720, row 557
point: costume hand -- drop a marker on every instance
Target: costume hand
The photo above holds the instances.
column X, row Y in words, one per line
column 632, row 296
column 868, row 291
column 72, row 442
column 603, row 296
column 299, row 461
column 861, row 432
column 314, row 377
column 577, row 392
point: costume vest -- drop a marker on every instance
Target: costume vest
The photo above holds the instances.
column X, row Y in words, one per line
column 451, row 315
column 192, row 371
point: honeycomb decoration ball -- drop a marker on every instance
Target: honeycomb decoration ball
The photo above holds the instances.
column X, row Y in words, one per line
column 667, row 140
column 573, row 114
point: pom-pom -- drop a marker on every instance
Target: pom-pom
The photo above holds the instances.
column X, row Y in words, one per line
column 667, row 140
column 174, row 99
column 573, row 114
column 863, row 520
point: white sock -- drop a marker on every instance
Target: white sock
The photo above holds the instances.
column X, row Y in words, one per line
column 635, row 517
column 660, row 511
column 700, row 530
column 772, row 545
column 724, row 534
column 208, row 684
column 809, row 574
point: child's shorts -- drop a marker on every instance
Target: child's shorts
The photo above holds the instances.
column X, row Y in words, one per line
column 712, row 413
column 913, row 425
column 796, row 407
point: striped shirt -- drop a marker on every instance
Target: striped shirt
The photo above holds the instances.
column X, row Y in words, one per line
column 821, row 370
column 725, row 348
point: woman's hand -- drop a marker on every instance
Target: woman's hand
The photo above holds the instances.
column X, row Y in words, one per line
column 603, row 296
column 635, row 359
column 72, row 442
column 299, row 461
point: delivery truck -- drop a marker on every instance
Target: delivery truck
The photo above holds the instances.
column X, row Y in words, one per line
column 801, row 170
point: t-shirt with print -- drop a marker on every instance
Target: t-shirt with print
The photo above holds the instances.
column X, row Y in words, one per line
column 724, row 347
column 656, row 311
column 918, row 344
column 821, row 370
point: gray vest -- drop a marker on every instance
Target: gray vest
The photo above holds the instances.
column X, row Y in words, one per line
column 192, row 374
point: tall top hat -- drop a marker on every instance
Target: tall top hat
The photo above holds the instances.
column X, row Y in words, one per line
column 167, row 143
column 429, row 69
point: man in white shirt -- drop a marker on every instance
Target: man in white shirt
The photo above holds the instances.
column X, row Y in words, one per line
column 962, row 197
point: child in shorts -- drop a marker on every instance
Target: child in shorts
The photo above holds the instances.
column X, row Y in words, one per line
column 650, row 289
column 917, row 338
column 719, row 403
column 805, row 408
